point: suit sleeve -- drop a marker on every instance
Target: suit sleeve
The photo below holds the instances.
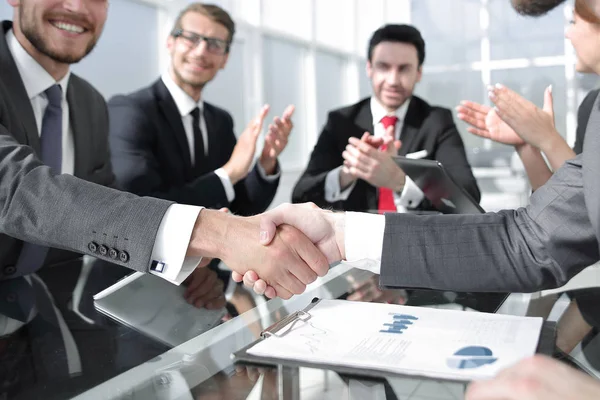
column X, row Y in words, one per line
column 450, row 151
column 524, row 250
column 253, row 194
column 111, row 179
column 137, row 169
column 325, row 157
column 66, row 212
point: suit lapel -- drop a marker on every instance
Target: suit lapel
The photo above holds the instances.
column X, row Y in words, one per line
column 213, row 145
column 364, row 123
column 591, row 167
column 171, row 113
column 18, row 95
column 410, row 127
column 364, row 118
column 80, row 120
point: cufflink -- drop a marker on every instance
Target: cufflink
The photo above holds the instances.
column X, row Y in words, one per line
column 158, row 266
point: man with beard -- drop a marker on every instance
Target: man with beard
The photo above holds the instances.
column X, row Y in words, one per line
column 63, row 116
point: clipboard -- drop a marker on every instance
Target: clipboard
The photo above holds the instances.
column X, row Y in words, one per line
column 545, row 346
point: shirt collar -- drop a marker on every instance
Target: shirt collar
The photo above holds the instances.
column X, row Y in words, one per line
column 35, row 78
column 378, row 111
column 185, row 104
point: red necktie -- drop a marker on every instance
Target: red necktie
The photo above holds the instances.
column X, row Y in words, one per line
column 386, row 196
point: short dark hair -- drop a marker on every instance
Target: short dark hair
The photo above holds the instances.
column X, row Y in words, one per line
column 535, row 8
column 213, row 12
column 399, row 34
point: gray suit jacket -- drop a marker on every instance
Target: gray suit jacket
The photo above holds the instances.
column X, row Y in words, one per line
column 63, row 211
column 542, row 245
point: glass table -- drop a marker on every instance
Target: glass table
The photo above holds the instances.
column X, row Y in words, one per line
column 67, row 349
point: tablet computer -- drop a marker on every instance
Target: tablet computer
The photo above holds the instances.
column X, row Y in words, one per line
column 438, row 186
column 156, row 308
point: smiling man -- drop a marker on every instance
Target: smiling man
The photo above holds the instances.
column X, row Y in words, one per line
column 58, row 114
column 341, row 176
column 167, row 142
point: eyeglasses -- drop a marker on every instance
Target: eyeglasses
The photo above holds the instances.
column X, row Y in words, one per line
column 213, row 45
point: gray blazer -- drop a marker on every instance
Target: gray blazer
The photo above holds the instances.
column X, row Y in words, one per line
column 540, row 246
column 62, row 211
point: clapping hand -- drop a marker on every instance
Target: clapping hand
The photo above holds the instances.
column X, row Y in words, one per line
column 276, row 140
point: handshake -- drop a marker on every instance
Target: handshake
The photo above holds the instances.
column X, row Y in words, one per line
column 279, row 252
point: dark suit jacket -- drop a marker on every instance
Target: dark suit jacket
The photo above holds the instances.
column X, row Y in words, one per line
column 151, row 156
column 587, row 299
column 425, row 128
column 583, row 115
column 89, row 123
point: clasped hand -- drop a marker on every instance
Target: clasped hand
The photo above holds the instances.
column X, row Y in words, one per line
column 364, row 160
column 324, row 229
column 291, row 260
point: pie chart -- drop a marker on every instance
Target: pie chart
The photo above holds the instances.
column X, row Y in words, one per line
column 471, row 357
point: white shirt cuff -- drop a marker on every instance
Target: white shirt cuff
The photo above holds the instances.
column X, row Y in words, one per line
column 227, row 185
column 411, row 195
column 333, row 191
column 263, row 173
column 172, row 240
column 363, row 239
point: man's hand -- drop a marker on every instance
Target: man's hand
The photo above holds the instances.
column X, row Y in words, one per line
column 536, row 378
column 534, row 125
column 486, row 123
column 363, row 161
column 204, row 289
column 276, row 140
column 323, row 228
column 346, row 178
column 287, row 263
column 243, row 153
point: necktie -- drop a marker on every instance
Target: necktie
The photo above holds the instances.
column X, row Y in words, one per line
column 386, row 195
column 200, row 164
column 32, row 256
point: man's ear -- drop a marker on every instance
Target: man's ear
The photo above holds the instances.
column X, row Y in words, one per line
column 170, row 43
column 225, row 59
column 369, row 69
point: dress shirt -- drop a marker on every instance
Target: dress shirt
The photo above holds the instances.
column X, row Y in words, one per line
column 185, row 105
column 411, row 194
column 176, row 227
column 363, row 239
column 36, row 80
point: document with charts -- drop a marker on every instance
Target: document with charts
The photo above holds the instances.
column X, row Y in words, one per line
column 405, row 340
